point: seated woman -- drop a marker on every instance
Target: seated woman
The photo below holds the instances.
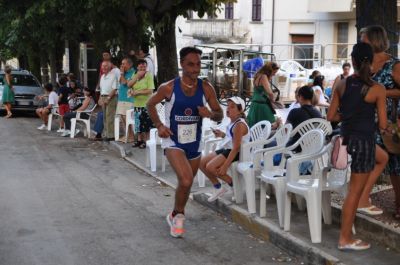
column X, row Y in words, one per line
column 87, row 104
column 215, row 165
column 43, row 112
column 318, row 87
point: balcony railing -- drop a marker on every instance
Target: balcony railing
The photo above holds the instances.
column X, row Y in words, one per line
column 217, row 29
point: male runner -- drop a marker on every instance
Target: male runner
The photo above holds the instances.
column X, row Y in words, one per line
column 185, row 107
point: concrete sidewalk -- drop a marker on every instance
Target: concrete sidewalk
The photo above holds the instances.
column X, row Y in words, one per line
column 385, row 240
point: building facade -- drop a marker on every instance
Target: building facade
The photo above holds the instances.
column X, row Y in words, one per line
column 312, row 32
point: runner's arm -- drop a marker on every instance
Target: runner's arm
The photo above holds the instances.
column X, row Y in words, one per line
column 216, row 113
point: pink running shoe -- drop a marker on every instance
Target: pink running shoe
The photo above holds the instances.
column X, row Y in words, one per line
column 176, row 224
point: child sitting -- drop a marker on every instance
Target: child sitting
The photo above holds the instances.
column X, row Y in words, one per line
column 216, row 164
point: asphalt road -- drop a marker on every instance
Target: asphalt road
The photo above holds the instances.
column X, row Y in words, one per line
column 71, row 201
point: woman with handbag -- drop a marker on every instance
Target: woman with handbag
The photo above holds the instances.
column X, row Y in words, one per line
column 261, row 103
column 386, row 71
column 359, row 98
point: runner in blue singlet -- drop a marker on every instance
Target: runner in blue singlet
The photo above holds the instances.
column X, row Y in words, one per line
column 186, row 99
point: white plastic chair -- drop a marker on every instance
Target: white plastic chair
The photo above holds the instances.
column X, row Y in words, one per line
column 151, row 144
column 281, row 137
column 314, row 123
column 129, row 120
column 259, row 133
column 310, row 143
column 315, row 188
column 85, row 121
column 52, row 114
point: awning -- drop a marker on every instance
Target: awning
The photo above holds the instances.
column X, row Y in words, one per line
column 330, row 5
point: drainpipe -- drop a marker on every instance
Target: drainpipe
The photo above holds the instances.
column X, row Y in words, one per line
column 272, row 26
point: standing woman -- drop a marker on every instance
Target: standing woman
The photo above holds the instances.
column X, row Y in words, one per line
column 8, row 92
column 261, row 108
column 359, row 98
column 386, row 71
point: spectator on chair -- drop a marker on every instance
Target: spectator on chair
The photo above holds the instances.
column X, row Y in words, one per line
column 319, row 96
column 216, row 164
column 98, row 127
column 44, row 112
column 125, row 100
column 75, row 99
column 305, row 112
column 63, row 107
column 142, row 85
column 87, row 105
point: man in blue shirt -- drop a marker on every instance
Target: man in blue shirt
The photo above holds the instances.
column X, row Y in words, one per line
column 125, row 100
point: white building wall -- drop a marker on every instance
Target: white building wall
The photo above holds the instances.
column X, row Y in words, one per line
column 291, row 17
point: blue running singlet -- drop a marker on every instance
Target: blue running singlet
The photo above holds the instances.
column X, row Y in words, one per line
column 183, row 119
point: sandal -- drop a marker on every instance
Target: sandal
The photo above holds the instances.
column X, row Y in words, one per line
column 370, row 210
column 357, row 244
column 142, row 145
column 137, row 144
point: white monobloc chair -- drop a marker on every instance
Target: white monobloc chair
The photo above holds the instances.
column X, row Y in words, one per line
column 210, row 142
column 85, row 121
column 52, row 114
column 314, row 123
column 281, row 137
column 315, row 188
column 129, row 120
column 154, row 140
column 259, row 133
column 275, row 176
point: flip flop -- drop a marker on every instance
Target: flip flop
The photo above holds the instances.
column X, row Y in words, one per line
column 370, row 210
column 358, row 244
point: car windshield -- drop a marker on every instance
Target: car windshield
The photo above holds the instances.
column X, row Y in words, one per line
column 21, row 80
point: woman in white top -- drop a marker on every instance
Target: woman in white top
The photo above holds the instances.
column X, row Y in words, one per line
column 43, row 112
column 216, row 164
column 318, row 87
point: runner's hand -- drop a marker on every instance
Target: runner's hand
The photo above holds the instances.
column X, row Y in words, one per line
column 164, row 132
column 204, row 112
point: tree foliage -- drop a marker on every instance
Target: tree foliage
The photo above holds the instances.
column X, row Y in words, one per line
column 35, row 31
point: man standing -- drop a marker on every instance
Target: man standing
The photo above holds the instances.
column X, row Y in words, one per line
column 142, row 87
column 108, row 98
column 125, row 101
column 185, row 107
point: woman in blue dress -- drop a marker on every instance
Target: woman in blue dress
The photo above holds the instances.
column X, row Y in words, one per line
column 386, row 70
column 8, row 93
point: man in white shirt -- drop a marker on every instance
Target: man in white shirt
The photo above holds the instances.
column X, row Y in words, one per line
column 43, row 112
column 108, row 99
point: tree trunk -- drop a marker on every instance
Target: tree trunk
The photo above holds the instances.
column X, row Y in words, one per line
column 53, row 66
column 44, row 67
column 379, row 12
column 34, row 61
column 23, row 61
column 74, row 57
column 166, row 53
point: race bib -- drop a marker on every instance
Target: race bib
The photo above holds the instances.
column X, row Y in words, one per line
column 187, row 133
